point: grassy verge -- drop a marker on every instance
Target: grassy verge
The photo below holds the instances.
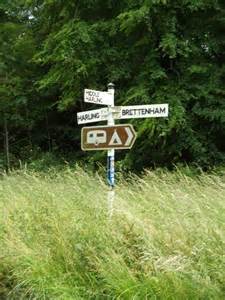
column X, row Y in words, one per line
column 164, row 240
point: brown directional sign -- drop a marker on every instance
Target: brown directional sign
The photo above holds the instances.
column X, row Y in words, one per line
column 108, row 137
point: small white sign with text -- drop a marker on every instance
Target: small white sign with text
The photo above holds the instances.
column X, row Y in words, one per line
column 140, row 111
column 97, row 97
column 91, row 116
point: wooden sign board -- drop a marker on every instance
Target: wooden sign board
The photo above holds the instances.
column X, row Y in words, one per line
column 108, row 137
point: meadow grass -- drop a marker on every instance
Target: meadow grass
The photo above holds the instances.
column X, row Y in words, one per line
column 60, row 238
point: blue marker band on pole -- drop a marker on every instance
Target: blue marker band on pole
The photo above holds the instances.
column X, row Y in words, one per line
column 111, row 171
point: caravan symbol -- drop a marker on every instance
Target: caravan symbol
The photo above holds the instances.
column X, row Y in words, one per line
column 96, row 137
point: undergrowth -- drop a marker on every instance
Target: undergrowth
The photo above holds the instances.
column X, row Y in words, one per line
column 163, row 237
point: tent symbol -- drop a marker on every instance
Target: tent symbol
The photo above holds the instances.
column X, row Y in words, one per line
column 115, row 139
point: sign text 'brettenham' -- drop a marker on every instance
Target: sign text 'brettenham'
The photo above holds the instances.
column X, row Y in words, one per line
column 141, row 111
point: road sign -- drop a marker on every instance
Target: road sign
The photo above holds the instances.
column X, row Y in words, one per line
column 91, row 116
column 108, row 137
column 124, row 112
column 97, row 97
column 140, row 111
column 113, row 136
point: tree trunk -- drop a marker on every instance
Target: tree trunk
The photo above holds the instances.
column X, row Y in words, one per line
column 29, row 130
column 48, row 133
column 6, row 144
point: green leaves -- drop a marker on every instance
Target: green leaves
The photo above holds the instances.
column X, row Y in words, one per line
column 169, row 45
column 131, row 19
column 156, row 51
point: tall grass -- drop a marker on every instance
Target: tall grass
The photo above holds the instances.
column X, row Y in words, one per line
column 165, row 238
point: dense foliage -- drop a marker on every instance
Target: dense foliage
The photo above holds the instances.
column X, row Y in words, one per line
column 155, row 51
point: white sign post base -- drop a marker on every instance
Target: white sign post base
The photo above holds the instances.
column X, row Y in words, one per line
column 111, row 199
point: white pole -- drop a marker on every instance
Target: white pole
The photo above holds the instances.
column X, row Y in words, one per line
column 111, row 156
column 111, row 152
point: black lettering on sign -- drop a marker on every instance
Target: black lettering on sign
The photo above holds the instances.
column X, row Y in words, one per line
column 140, row 110
column 98, row 100
column 125, row 112
column 162, row 110
column 150, row 111
column 92, row 93
column 93, row 116
column 94, row 98
column 89, row 116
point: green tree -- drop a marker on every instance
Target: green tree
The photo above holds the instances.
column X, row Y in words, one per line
column 16, row 75
column 155, row 51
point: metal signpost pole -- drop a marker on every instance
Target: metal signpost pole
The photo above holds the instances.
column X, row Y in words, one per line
column 111, row 155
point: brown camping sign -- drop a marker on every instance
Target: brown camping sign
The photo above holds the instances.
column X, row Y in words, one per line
column 108, row 137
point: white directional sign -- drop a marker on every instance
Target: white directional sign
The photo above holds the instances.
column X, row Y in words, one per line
column 92, row 96
column 140, row 111
column 124, row 112
column 91, row 116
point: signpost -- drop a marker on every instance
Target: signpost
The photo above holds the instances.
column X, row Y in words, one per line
column 113, row 136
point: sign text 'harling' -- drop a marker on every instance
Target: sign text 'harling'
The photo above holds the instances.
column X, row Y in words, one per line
column 107, row 137
column 91, row 116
